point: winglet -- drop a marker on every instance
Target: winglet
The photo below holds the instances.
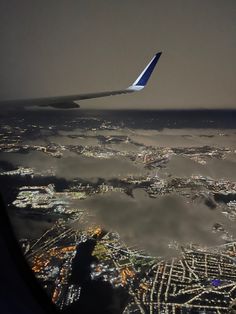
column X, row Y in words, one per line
column 143, row 78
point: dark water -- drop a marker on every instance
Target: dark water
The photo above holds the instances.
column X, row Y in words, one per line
column 145, row 119
column 97, row 296
column 159, row 119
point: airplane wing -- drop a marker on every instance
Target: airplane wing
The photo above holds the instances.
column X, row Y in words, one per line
column 68, row 101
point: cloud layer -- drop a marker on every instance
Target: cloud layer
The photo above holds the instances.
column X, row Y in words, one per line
column 154, row 223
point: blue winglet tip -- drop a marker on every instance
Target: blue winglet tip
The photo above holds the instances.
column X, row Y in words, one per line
column 144, row 77
column 157, row 56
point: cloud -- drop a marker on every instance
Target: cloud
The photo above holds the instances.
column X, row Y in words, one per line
column 74, row 166
column 180, row 166
column 153, row 223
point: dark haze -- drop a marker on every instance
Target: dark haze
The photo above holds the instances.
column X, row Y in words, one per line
column 54, row 47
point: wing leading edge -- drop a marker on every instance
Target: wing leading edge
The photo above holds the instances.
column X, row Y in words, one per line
column 68, row 101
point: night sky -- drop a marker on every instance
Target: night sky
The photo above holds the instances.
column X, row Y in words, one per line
column 51, row 48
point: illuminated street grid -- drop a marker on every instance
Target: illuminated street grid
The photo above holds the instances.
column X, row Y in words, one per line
column 199, row 280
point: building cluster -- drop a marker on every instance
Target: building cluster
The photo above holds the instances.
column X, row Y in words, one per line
column 200, row 279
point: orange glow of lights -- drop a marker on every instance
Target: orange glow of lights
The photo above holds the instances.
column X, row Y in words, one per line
column 144, row 286
column 126, row 273
column 95, row 231
column 55, row 295
column 161, row 269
